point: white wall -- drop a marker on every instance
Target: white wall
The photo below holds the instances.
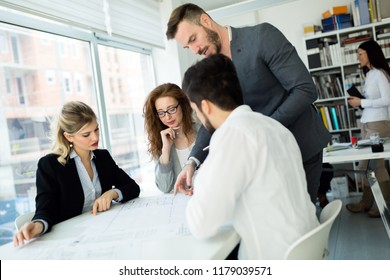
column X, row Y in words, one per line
column 291, row 17
column 167, row 61
column 288, row 18
column 171, row 62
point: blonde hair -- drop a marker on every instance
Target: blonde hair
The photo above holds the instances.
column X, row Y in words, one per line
column 74, row 116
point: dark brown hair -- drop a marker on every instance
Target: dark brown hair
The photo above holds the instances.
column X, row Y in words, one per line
column 189, row 12
column 214, row 78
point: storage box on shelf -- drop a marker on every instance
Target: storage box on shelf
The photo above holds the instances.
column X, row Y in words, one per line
column 335, row 22
column 333, row 64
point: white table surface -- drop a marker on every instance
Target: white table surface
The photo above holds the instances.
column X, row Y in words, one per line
column 145, row 228
column 352, row 154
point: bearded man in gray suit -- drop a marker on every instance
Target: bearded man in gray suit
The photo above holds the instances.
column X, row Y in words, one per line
column 274, row 80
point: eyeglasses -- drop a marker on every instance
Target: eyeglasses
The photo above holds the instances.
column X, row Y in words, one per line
column 170, row 111
column 360, row 53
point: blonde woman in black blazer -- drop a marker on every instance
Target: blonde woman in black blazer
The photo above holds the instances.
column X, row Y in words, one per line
column 77, row 176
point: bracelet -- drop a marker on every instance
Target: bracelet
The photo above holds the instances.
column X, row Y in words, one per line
column 191, row 162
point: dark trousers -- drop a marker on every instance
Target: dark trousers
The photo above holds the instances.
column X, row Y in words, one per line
column 313, row 170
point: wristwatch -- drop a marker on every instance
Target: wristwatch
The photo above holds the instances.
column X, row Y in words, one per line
column 191, row 162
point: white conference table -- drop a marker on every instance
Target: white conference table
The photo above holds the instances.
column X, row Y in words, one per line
column 353, row 154
column 145, row 228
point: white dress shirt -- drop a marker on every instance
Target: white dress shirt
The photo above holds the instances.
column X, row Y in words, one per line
column 253, row 177
column 377, row 94
column 92, row 189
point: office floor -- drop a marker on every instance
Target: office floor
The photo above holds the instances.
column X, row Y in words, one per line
column 357, row 236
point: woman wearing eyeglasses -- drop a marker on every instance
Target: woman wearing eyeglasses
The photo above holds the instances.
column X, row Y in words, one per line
column 375, row 118
column 171, row 131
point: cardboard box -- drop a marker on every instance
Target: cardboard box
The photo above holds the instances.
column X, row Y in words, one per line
column 336, row 10
column 339, row 186
column 339, row 10
column 326, row 14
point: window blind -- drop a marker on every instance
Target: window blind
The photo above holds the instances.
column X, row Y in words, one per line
column 133, row 19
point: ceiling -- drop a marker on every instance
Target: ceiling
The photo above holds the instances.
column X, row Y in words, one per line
column 208, row 5
column 224, row 8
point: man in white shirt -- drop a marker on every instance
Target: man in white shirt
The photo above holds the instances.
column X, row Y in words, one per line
column 253, row 175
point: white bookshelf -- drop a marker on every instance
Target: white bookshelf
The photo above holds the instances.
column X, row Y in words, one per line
column 334, row 66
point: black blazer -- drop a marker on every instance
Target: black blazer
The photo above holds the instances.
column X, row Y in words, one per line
column 60, row 194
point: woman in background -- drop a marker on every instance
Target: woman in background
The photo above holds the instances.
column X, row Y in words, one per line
column 171, row 131
column 76, row 177
column 375, row 116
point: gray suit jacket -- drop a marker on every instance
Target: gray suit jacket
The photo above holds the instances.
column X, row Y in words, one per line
column 275, row 82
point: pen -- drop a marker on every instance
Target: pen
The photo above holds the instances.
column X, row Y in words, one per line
column 206, row 148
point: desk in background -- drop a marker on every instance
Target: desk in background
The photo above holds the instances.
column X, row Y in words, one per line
column 143, row 228
column 352, row 154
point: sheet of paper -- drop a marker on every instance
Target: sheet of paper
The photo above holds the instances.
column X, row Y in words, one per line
column 114, row 234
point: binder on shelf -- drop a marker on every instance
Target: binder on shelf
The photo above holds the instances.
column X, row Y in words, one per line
column 344, row 118
column 314, row 60
column 363, row 12
column 331, row 117
column 383, row 9
column 372, row 10
column 323, row 117
column 328, row 84
column 327, row 115
column 333, row 113
column 355, row 13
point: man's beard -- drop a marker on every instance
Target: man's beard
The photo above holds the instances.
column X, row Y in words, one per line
column 208, row 126
column 213, row 39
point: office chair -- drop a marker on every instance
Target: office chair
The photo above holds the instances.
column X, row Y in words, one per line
column 314, row 244
column 22, row 219
column 378, row 193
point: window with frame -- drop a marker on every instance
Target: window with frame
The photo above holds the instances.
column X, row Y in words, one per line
column 32, row 97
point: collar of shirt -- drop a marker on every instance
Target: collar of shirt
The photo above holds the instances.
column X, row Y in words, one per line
column 229, row 32
column 91, row 189
column 73, row 154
